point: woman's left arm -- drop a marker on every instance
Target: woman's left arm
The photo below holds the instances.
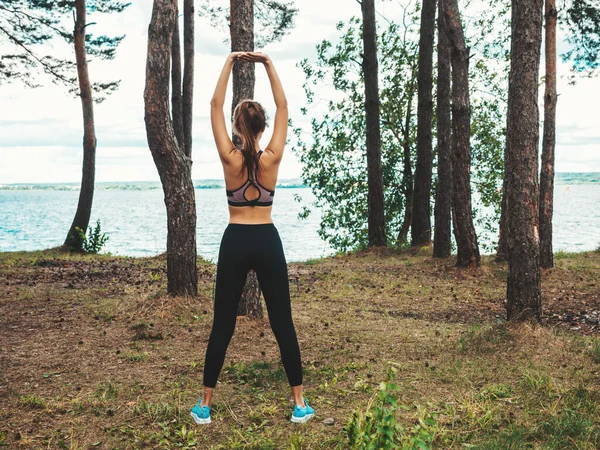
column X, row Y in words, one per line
column 217, row 116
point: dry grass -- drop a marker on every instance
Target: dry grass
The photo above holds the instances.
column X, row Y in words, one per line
column 94, row 354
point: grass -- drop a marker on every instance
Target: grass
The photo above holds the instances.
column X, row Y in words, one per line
column 120, row 362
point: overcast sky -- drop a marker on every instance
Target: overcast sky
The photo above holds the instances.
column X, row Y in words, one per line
column 41, row 129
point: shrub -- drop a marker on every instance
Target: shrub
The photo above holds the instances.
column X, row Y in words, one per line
column 377, row 428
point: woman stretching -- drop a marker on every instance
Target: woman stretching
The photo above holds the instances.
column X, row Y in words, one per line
column 251, row 241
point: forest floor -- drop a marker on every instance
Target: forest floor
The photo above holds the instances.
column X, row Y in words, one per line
column 94, row 354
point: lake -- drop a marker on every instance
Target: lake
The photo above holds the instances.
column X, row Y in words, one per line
column 135, row 220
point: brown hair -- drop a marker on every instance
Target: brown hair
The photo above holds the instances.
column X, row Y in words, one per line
column 249, row 120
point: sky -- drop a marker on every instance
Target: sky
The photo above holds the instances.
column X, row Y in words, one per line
column 41, row 129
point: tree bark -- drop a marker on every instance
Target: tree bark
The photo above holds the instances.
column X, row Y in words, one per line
column 548, row 140
column 376, row 221
column 244, row 78
column 188, row 75
column 242, row 40
column 174, row 167
column 176, row 98
column 522, row 190
column 421, row 219
column 407, row 177
column 443, row 194
column 464, row 230
column 86, row 194
column 502, row 251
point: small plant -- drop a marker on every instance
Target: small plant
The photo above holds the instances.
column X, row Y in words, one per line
column 154, row 276
column 33, row 401
column 497, row 391
column 136, row 357
column 108, row 391
column 95, row 239
column 92, row 243
column 296, row 442
column 378, row 428
column 536, row 382
column 182, row 437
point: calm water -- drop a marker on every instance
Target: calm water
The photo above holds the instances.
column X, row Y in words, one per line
column 136, row 220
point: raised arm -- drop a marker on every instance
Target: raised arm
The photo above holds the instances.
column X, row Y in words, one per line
column 280, row 126
column 217, row 116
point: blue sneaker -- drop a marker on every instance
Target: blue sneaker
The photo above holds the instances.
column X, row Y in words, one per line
column 302, row 415
column 201, row 414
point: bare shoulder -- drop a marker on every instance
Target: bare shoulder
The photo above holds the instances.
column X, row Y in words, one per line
column 271, row 157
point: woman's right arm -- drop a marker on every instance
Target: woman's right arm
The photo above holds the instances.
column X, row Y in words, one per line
column 217, row 116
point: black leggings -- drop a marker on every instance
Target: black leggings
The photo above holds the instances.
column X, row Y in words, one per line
column 257, row 247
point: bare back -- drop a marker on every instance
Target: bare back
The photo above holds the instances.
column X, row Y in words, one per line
column 235, row 178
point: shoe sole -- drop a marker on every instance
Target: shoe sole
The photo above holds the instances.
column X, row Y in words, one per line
column 199, row 420
column 304, row 419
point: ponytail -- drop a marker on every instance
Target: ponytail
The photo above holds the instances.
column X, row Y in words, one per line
column 249, row 120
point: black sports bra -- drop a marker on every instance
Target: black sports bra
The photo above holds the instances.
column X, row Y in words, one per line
column 237, row 197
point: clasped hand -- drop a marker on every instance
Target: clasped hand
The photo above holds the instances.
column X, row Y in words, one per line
column 255, row 57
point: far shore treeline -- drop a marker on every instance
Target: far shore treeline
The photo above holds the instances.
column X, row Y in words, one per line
column 562, row 178
column 147, row 185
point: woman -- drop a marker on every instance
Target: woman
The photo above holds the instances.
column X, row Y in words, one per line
column 251, row 241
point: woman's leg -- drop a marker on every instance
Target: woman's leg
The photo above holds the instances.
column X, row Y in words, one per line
column 271, row 270
column 232, row 268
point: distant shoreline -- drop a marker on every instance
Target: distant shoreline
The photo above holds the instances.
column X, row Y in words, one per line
column 133, row 185
column 561, row 179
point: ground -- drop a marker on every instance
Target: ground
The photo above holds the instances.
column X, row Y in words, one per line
column 95, row 354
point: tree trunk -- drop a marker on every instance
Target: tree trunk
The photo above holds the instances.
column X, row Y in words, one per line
column 549, row 140
column 174, row 167
column 407, row 177
column 376, row 221
column 464, row 230
column 188, row 75
column 502, row 251
column 242, row 40
column 443, row 194
column 522, row 190
column 421, row 219
column 176, row 99
column 86, row 194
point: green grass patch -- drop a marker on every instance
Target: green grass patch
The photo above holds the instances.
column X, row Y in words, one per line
column 135, row 357
column 33, row 401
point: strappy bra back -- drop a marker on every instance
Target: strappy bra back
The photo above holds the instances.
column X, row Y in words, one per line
column 237, row 197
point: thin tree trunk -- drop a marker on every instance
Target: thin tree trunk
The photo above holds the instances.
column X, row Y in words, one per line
column 522, row 190
column 549, row 140
column 407, row 177
column 242, row 40
column 443, row 194
column 421, row 219
column 86, row 194
column 376, row 221
column 464, row 230
column 176, row 99
column 502, row 251
column 188, row 75
column 174, row 167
